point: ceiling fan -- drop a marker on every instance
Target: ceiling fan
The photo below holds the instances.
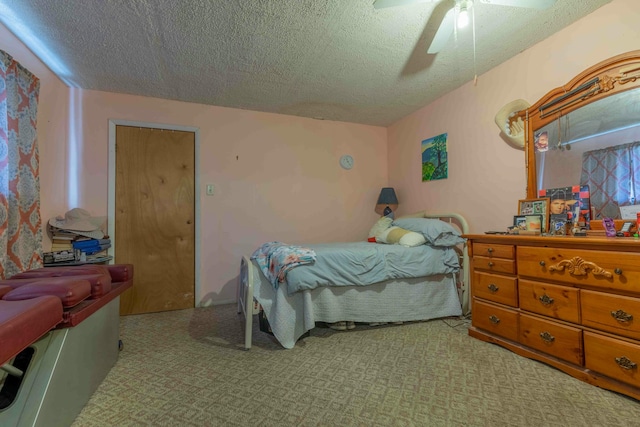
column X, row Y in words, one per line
column 459, row 14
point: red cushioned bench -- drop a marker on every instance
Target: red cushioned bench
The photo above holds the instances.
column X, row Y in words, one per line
column 59, row 337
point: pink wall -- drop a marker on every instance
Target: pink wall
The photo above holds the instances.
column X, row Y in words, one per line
column 486, row 175
column 276, row 177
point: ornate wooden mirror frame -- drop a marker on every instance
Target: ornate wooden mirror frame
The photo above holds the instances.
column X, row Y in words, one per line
column 614, row 75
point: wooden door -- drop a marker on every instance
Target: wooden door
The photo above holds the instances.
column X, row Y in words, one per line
column 155, row 217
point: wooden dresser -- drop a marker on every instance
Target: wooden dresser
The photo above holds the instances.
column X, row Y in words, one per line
column 571, row 302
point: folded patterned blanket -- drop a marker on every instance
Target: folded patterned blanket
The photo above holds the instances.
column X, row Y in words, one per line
column 276, row 259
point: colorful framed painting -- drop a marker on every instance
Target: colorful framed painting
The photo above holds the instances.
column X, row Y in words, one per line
column 434, row 158
column 538, row 206
column 573, row 201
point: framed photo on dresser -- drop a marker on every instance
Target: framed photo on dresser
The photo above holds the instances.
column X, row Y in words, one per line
column 575, row 201
column 558, row 224
column 538, row 206
column 520, row 222
column 533, row 223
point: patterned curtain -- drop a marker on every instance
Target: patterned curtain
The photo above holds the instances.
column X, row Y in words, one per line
column 20, row 222
column 613, row 177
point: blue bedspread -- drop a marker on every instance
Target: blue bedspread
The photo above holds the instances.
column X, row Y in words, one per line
column 364, row 263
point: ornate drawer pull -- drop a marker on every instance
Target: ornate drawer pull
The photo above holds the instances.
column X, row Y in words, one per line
column 542, row 263
column 490, row 264
column 546, row 300
column 621, row 316
column 489, row 250
column 579, row 267
column 494, row 319
column 547, row 337
column 625, row 363
column 493, row 288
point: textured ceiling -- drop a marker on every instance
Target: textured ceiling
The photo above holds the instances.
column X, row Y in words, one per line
column 327, row 59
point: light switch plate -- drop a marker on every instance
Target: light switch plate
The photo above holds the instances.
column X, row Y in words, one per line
column 210, row 189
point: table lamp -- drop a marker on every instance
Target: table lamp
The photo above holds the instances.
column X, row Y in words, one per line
column 389, row 200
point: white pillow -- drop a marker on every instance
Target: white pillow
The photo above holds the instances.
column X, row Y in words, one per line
column 399, row 236
column 437, row 232
column 382, row 224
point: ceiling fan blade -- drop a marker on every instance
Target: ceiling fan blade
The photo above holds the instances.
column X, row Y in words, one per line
column 531, row 4
column 381, row 4
column 444, row 32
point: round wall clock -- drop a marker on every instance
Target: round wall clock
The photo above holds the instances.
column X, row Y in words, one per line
column 346, row 161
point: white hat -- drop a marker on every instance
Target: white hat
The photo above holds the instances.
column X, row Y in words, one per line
column 515, row 134
column 79, row 221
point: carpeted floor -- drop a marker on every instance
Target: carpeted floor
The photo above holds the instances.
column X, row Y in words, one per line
column 188, row 368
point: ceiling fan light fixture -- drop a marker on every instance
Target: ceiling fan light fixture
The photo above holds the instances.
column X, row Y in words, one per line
column 462, row 8
column 463, row 18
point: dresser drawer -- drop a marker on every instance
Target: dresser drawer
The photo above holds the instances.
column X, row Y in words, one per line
column 497, row 265
column 494, row 319
column 560, row 302
column 561, row 341
column 612, row 313
column 613, row 358
column 496, row 288
column 491, row 250
column 602, row 269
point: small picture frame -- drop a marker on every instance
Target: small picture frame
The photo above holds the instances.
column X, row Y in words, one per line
column 519, row 222
column 533, row 223
column 539, row 206
column 558, row 224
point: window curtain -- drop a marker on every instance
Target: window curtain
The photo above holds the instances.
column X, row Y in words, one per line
column 613, row 177
column 20, row 221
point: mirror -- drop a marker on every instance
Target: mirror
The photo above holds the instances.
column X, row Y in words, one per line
column 593, row 146
column 587, row 133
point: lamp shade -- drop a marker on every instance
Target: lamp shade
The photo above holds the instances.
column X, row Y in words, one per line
column 387, row 197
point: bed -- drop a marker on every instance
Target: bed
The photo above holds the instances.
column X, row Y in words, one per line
column 293, row 308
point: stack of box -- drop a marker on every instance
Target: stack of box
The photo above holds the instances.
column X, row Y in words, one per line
column 77, row 237
column 61, row 246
